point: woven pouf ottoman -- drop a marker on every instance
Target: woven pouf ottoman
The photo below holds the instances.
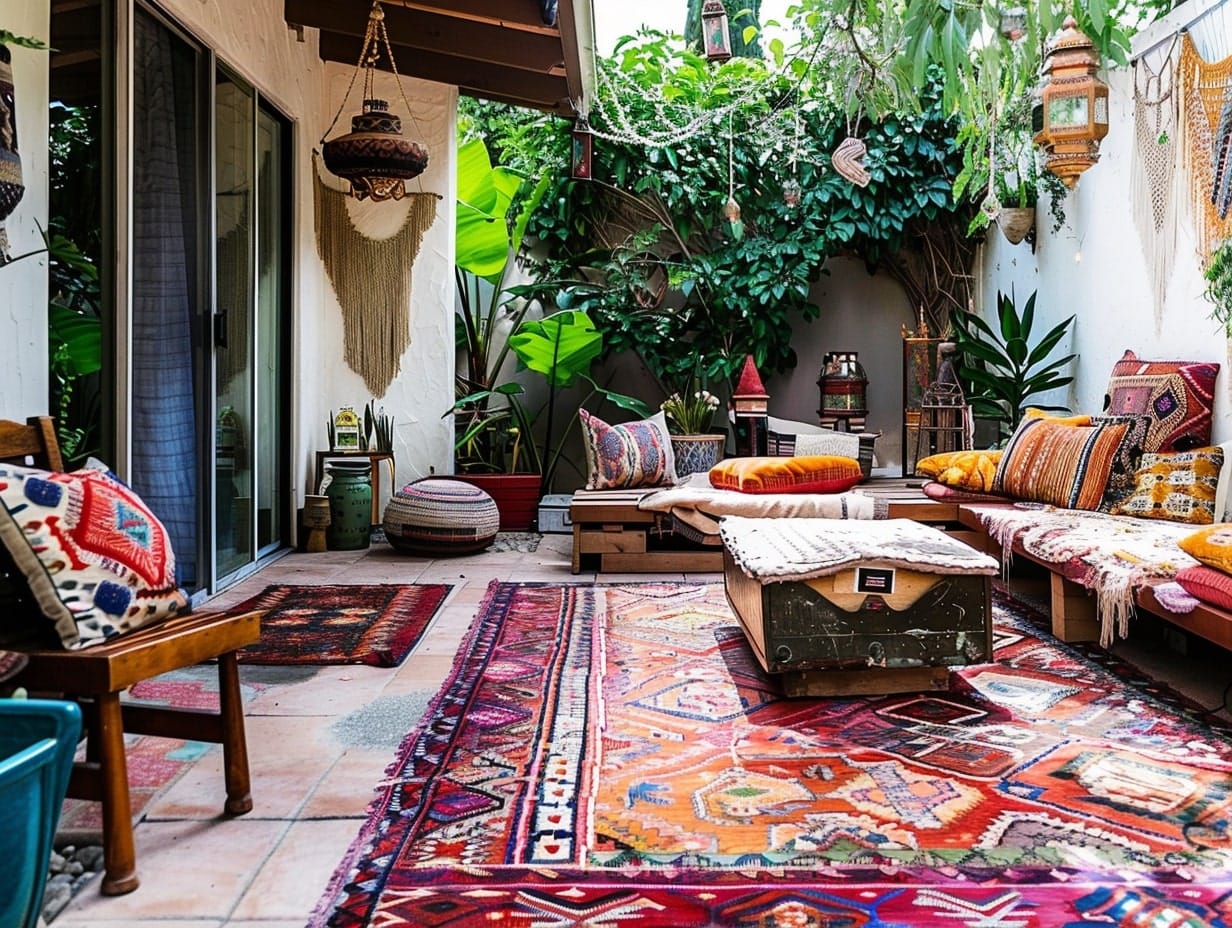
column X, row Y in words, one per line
column 435, row 517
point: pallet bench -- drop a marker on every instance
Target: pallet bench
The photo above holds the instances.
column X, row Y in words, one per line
column 611, row 535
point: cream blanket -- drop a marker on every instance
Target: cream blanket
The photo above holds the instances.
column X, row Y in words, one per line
column 698, row 505
column 1110, row 555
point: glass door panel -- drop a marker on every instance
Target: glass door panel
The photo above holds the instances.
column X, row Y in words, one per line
column 234, row 314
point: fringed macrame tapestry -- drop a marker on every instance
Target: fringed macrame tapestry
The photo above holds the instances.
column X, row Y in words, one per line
column 11, row 187
column 1203, row 87
column 1154, row 171
column 372, row 280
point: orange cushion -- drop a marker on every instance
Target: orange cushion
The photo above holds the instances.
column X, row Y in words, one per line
column 819, row 473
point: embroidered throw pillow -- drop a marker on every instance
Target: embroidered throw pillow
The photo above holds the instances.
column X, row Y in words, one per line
column 1177, row 395
column 1211, row 546
column 96, row 560
column 1207, row 584
column 963, row 470
column 1064, row 465
column 632, row 454
column 1178, row 486
column 822, row 473
column 1125, row 461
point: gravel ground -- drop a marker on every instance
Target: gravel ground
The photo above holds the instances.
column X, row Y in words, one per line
column 71, row 868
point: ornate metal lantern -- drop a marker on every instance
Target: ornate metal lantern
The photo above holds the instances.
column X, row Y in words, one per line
column 1071, row 115
column 716, row 40
column 583, row 151
column 374, row 156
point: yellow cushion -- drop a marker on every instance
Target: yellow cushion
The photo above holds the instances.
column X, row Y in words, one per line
column 1211, row 546
column 1032, row 413
column 1178, row 486
column 963, row 470
column 818, row 473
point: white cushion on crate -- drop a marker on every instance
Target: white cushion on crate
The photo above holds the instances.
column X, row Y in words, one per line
column 436, row 516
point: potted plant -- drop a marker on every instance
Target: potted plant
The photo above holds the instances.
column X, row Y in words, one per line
column 1218, row 276
column 690, row 417
column 1002, row 370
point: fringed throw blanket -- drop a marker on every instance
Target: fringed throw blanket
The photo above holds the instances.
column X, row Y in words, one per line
column 1110, row 555
column 770, row 550
column 698, row 506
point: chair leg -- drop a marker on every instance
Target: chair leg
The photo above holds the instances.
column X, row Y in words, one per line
column 234, row 741
column 119, row 853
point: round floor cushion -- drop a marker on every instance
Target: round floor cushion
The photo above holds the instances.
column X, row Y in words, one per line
column 436, row 516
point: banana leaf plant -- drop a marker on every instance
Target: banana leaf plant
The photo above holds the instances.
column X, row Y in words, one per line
column 1002, row 369
column 560, row 348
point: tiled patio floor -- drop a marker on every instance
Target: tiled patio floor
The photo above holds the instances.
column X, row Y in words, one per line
column 320, row 739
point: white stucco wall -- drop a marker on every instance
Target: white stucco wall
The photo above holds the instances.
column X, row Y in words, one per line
column 254, row 39
column 23, row 283
column 1095, row 267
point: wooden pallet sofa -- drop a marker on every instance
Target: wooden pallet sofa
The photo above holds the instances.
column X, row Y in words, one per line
column 95, row 674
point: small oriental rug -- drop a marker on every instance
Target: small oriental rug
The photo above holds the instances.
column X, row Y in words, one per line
column 375, row 624
column 614, row 756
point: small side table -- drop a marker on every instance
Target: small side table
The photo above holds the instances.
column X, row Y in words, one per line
column 374, row 458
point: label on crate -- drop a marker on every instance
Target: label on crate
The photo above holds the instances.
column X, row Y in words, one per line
column 879, row 580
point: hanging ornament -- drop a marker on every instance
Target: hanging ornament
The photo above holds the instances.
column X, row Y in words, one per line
column 716, row 39
column 791, row 189
column 848, row 160
column 731, row 209
column 374, row 156
column 583, row 150
column 791, row 193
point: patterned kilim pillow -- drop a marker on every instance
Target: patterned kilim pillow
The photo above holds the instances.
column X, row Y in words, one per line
column 822, row 473
column 1178, row 486
column 1177, row 395
column 633, row 454
column 1065, row 465
column 1125, row 461
column 97, row 561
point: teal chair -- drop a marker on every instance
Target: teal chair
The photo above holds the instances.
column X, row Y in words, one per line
column 38, row 738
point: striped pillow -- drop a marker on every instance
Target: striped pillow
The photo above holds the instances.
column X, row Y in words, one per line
column 1064, row 465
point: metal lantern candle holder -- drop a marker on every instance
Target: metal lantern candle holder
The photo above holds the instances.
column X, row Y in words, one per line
column 844, row 390
column 1071, row 115
column 716, row 40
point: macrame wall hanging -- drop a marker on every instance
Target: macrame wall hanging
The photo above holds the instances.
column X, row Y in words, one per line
column 1154, row 170
column 372, row 280
column 1204, row 88
column 11, row 187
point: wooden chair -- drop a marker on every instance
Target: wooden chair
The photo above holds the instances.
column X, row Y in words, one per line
column 96, row 676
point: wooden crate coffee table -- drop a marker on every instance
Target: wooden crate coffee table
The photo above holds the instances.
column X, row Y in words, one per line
column 838, row 607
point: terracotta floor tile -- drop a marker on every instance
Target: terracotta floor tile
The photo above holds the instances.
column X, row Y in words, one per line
column 293, row 879
column 348, row 787
column 188, row 869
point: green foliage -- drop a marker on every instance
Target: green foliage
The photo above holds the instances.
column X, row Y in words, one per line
column 75, row 348
column 25, row 41
column 378, row 429
column 1218, row 276
column 1002, row 370
column 654, row 212
column 560, row 348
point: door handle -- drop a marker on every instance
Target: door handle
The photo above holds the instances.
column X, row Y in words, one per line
column 220, row 329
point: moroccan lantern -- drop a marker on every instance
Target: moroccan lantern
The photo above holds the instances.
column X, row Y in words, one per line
column 1072, row 112
column 716, row 41
column 374, row 156
column 583, row 151
column 750, row 403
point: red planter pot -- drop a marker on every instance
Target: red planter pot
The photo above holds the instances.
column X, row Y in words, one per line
column 516, row 496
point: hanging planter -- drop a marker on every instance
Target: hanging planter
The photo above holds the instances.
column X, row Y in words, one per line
column 1016, row 222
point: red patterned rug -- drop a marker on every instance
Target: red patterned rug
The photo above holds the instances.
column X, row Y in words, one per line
column 374, row 624
column 613, row 756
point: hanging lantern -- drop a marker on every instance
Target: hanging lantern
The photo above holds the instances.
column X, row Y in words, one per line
column 716, row 41
column 791, row 193
column 1013, row 23
column 583, row 150
column 374, row 156
column 1073, row 108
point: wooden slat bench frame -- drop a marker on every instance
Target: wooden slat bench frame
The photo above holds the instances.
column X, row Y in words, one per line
column 1072, row 606
column 611, row 535
column 96, row 676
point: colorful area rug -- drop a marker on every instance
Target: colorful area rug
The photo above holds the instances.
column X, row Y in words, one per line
column 613, row 756
column 374, row 624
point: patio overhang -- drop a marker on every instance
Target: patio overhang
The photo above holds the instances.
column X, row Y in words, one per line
column 492, row 49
